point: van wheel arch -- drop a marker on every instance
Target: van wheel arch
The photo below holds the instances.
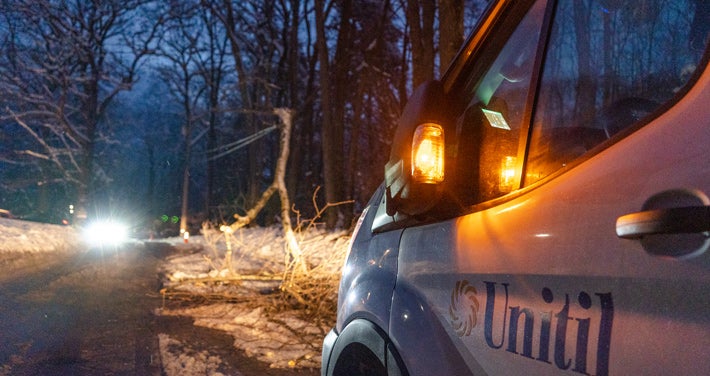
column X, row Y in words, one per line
column 362, row 348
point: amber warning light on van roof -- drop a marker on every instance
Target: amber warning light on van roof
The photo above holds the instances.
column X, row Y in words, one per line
column 428, row 154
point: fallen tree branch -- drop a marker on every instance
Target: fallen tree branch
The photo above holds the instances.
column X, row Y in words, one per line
column 236, row 278
column 293, row 250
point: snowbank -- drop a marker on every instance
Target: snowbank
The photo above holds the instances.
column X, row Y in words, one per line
column 32, row 237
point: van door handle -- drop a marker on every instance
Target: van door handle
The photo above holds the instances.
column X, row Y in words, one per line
column 683, row 220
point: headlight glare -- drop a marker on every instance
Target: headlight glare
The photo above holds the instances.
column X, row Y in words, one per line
column 105, row 233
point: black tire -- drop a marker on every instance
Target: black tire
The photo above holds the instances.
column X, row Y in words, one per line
column 358, row 360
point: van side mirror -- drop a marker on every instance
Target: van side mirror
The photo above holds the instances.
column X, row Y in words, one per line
column 415, row 172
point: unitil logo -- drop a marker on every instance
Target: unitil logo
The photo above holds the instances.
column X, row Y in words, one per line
column 552, row 318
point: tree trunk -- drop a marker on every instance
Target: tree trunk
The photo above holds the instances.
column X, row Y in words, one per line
column 298, row 138
column 184, row 206
column 450, row 32
column 332, row 129
column 213, row 75
column 90, row 116
column 420, row 17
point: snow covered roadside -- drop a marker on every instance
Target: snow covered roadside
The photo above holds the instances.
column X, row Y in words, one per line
column 32, row 237
column 24, row 245
column 246, row 303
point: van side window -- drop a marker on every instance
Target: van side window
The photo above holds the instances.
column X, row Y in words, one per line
column 491, row 128
column 608, row 65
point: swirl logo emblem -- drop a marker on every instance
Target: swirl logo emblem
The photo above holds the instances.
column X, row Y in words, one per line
column 463, row 310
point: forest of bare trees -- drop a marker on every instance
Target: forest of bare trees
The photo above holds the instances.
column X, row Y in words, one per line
column 150, row 108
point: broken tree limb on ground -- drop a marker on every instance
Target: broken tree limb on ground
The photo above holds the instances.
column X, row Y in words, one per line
column 306, row 282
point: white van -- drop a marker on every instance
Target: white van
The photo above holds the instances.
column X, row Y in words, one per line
column 545, row 208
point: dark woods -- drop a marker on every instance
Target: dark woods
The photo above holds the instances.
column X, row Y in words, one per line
column 142, row 108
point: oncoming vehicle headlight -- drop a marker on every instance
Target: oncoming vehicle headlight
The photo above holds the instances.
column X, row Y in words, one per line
column 100, row 233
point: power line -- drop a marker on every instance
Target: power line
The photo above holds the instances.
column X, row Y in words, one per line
column 236, row 145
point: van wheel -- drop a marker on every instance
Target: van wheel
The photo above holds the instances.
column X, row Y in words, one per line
column 358, row 360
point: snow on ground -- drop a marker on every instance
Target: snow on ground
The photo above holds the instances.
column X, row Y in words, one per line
column 180, row 359
column 33, row 237
column 23, row 243
column 245, row 303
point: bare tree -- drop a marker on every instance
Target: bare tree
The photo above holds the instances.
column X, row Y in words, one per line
column 375, row 94
column 182, row 49
column 213, row 67
column 255, row 47
column 64, row 64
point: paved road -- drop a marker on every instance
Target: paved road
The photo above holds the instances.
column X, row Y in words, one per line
column 82, row 313
column 91, row 313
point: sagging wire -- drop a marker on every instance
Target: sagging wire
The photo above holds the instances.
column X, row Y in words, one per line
column 236, row 145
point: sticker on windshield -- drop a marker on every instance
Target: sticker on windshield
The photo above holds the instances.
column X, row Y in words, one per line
column 496, row 119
